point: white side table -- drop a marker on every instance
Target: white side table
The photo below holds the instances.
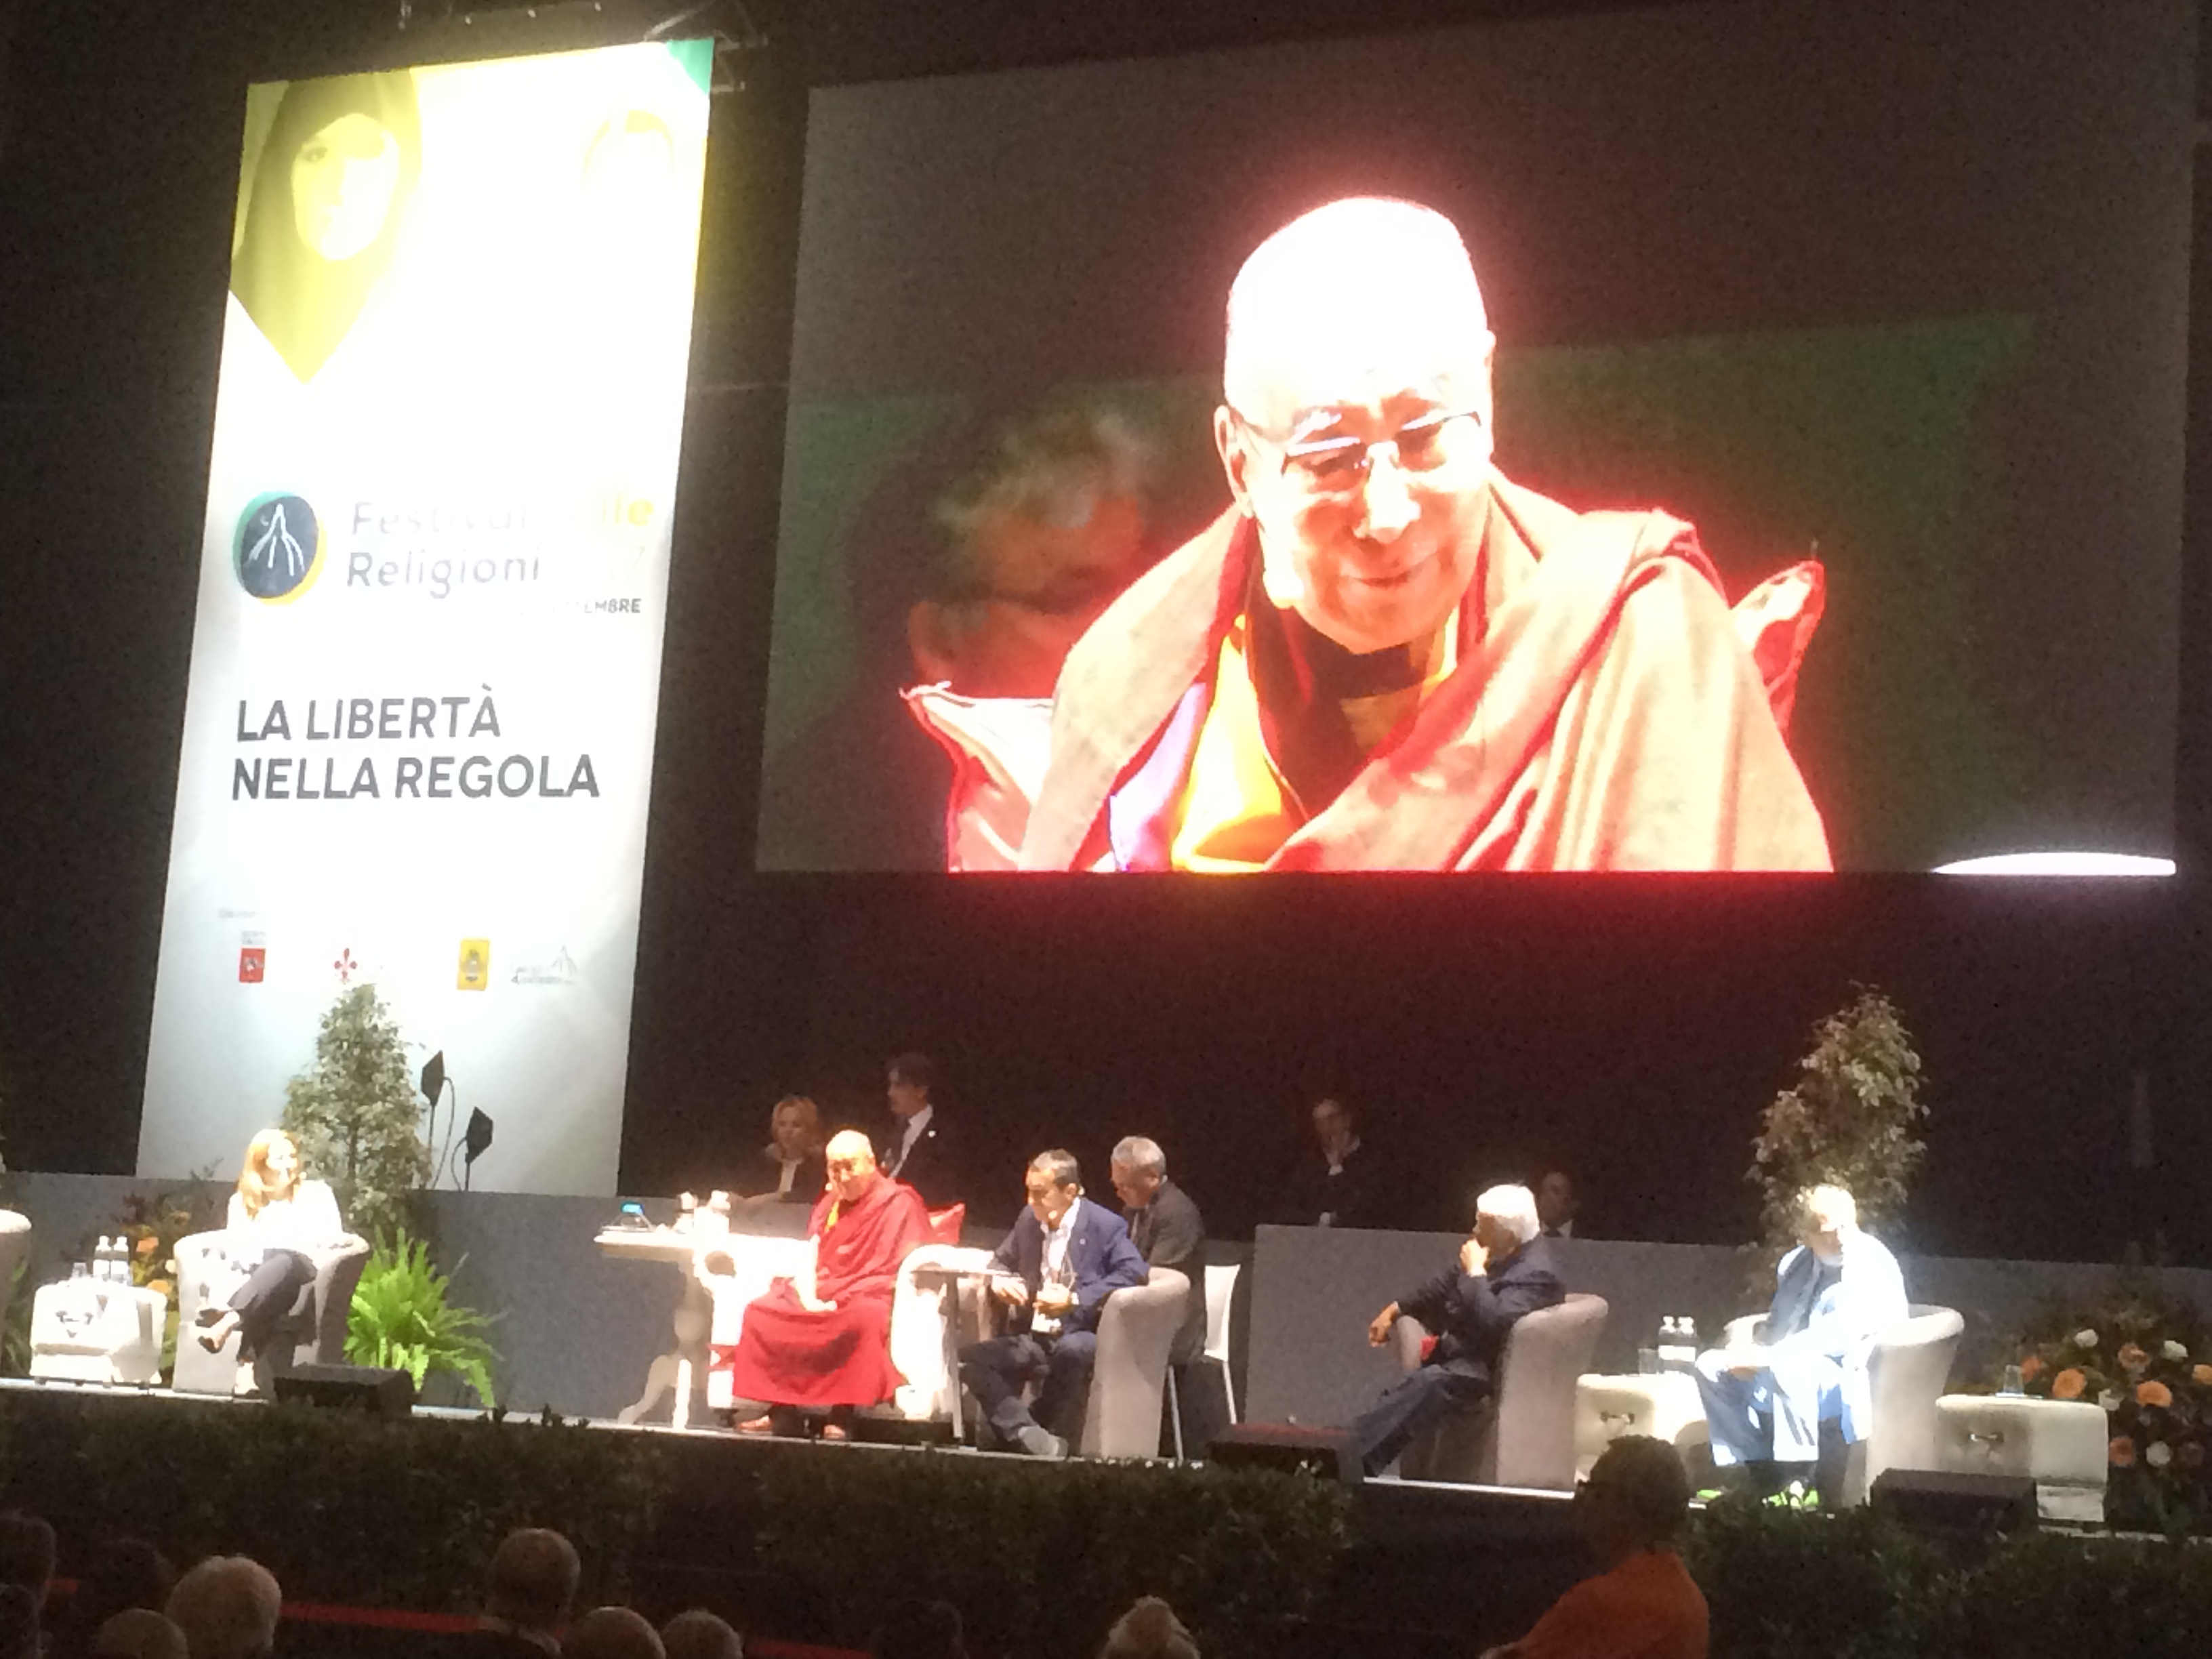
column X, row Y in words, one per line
column 88, row 1330
column 2062, row 1445
column 1664, row 1405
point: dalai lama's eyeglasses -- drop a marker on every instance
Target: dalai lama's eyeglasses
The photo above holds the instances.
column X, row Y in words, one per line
column 1335, row 468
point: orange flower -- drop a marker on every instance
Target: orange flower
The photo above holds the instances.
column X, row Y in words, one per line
column 2202, row 1377
column 2133, row 1361
column 2153, row 1393
column 2031, row 1368
column 147, row 1244
column 2067, row 1384
column 2122, row 1451
column 158, row 1287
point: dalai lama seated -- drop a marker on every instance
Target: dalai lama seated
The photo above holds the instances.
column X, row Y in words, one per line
column 827, row 1346
column 1385, row 655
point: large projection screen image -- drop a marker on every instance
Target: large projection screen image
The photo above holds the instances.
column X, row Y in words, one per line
column 426, row 649
column 1743, row 437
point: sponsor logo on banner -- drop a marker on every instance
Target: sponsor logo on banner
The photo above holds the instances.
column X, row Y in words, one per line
column 278, row 550
column 561, row 970
column 252, row 963
column 474, row 970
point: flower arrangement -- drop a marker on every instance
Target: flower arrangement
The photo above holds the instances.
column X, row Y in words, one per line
column 2148, row 1361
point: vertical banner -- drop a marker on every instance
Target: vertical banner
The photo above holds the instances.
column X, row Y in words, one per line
column 418, row 734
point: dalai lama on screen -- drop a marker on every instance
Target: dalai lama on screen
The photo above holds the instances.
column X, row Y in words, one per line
column 830, row 1347
column 1385, row 655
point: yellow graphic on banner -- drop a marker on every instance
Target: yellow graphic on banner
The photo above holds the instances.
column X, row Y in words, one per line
column 474, row 971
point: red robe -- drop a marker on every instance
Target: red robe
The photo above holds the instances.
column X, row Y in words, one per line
column 1604, row 715
column 789, row 1355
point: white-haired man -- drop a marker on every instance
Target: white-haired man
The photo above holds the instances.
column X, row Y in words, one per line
column 1505, row 1270
column 1384, row 654
column 1167, row 1229
column 1834, row 1294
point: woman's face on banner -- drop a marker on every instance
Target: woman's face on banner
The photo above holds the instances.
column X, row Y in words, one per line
column 343, row 182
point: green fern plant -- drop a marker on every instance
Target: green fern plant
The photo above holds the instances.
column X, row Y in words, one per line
column 401, row 1319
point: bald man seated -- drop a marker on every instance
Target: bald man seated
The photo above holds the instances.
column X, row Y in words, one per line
column 826, row 1346
column 1387, row 655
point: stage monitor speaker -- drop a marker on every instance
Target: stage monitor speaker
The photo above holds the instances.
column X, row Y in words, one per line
column 1286, row 1447
column 369, row 1388
column 1955, row 1503
column 890, row 1428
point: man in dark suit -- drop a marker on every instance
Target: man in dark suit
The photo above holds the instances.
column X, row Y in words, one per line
column 1064, row 1256
column 1505, row 1270
column 918, row 1150
column 1338, row 1184
column 1166, row 1228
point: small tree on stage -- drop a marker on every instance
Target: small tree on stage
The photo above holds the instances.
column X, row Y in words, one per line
column 1850, row 1118
column 354, row 1114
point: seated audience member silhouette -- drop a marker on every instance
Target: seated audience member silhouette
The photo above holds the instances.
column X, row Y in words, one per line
column 1505, row 1270
column 1384, row 654
column 790, row 1168
column 126, row 1574
column 611, row 1633
column 699, row 1634
column 27, row 1554
column 137, row 1633
column 1557, row 1204
column 529, row 1589
column 919, row 1149
column 227, row 1607
column 1834, row 1294
column 1338, row 1182
column 1064, row 1257
column 1642, row 1604
column 1150, row 1630
column 914, row 1629
column 275, row 1217
column 20, row 1636
column 827, row 1345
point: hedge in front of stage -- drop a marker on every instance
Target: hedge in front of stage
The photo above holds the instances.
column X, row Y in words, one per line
column 818, row 1544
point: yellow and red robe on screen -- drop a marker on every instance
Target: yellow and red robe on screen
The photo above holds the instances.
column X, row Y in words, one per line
column 788, row 1354
column 1601, row 709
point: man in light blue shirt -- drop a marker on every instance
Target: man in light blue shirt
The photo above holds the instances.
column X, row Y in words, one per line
column 1833, row 1295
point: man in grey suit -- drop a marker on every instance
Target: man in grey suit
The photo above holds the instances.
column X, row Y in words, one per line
column 1166, row 1228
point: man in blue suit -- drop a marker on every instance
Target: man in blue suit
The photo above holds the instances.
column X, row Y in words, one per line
column 1063, row 1258
column 1833, row 1295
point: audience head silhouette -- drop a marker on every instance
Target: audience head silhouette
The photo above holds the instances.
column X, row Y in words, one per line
column 227, row 1607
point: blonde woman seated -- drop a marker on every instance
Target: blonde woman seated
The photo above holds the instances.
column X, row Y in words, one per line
column 275, row 1218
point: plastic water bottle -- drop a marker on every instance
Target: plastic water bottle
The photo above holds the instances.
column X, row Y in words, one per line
column 2012, row 1379
column 101, row 1259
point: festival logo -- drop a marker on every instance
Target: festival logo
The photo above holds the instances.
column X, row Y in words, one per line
column 252, row 963
column 278, row 550
column 474, row 970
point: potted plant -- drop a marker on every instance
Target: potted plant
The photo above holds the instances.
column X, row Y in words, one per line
column 402, row 1319
column 1851, row 1118
column 355, row 1116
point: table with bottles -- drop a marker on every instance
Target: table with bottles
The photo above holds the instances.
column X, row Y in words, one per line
column 96, row 1325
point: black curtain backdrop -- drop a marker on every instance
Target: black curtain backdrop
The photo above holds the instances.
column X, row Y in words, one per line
column 1628, row 1029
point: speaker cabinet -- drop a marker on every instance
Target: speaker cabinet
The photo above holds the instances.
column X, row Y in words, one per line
column 1326, row 1453
column 357, row 1387
column 1955, row 1503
